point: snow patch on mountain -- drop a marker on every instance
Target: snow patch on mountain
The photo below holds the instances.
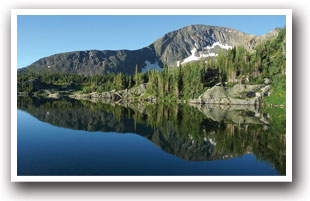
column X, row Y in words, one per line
column 149, row 66
column 226, row 47
column 196, row 45
column 193, row 56
column 211, row 54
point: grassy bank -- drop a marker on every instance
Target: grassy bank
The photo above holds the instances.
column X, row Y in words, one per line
column 278, row 91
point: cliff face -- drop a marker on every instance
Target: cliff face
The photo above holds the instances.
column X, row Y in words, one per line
column 187, row 44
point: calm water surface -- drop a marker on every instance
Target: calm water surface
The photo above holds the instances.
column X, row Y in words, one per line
column 69, row 137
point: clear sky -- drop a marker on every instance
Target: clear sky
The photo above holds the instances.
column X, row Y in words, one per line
column 43, row 35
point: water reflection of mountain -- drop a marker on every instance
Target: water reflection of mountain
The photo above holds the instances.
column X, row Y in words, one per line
column 196, row 133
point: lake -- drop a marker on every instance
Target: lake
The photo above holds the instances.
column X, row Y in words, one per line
column 71, row 137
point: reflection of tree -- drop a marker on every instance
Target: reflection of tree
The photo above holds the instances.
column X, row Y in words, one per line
column 181, row 130
column 266, row 144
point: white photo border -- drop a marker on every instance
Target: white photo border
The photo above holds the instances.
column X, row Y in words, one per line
column 286, row 178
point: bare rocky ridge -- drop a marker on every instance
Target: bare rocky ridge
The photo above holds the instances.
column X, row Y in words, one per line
column 188, row 43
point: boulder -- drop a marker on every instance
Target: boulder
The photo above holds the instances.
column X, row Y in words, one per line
column 239, row 94
column 242, row 90
column 216, row 94
column 267, row 81
column 138, row 91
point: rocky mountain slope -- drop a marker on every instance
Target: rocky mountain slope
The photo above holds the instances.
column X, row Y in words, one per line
column 186, row 44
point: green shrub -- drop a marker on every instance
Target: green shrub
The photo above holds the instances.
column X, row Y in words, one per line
column 278, row 91
column 100, row 89
column 86, row 90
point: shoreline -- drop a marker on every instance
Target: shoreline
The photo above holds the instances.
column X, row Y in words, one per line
column 89, row 97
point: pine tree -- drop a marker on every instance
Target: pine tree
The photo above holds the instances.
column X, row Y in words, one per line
column 137, row 75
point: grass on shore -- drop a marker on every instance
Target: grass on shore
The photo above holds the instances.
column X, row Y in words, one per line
column 278, row 91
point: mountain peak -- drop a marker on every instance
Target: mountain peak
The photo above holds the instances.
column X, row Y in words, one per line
column 188, row 44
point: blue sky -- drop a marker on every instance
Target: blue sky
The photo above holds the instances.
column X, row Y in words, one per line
column 43, row 35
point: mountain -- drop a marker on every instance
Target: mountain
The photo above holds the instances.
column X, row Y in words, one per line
column 187, row 44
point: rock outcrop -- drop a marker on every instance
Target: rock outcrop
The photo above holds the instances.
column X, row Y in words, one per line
column 239, row 94
column 114, row 95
